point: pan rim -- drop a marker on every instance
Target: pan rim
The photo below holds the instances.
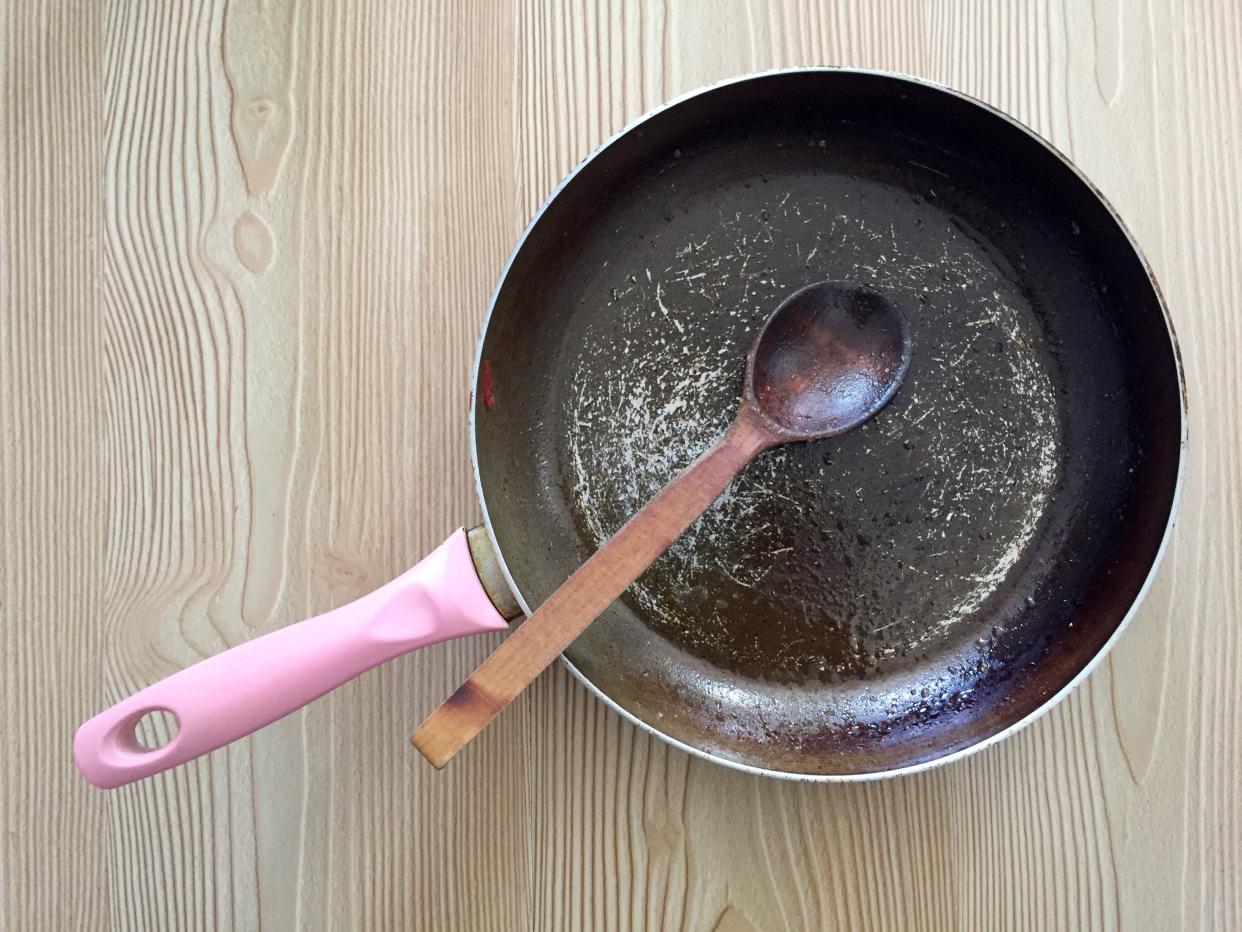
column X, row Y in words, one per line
column 1174, row 507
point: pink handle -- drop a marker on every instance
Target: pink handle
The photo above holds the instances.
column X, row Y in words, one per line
column 228, row 696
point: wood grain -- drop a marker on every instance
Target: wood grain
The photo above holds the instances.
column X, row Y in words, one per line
column 245, row 251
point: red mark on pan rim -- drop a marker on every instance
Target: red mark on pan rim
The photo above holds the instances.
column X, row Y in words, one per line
column 489, row 399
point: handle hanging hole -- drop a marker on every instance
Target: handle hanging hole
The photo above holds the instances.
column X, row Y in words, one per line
column 156, row 729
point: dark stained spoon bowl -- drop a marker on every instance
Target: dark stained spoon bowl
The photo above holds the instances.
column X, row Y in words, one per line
column 828, row 358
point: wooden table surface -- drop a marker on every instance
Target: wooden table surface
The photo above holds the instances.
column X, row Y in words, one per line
column 246, row 248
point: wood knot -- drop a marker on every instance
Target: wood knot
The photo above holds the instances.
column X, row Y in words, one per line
column 340, row 573
column 261, row 109
column 252, row 239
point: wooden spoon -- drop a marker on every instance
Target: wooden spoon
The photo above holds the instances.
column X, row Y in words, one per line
column 827, row 359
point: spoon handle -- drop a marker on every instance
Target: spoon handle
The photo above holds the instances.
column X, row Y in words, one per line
column 591, row 589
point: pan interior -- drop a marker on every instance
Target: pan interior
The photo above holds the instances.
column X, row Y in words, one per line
column 900, row 591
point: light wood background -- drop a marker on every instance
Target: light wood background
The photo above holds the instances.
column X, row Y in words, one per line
column 245, row 251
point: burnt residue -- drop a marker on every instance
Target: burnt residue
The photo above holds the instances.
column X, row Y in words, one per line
column 905, row 589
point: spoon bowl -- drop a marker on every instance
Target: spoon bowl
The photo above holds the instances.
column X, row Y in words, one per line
column 830, row 356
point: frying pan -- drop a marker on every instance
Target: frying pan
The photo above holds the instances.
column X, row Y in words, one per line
column 873, row 604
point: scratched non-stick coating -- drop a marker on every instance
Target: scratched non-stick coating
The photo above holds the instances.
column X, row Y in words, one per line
column 881, row 596
column 844, row 558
